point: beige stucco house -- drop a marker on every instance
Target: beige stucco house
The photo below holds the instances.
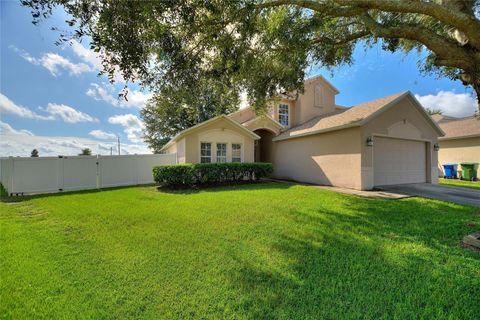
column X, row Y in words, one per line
column 461, row 142
column 309, row 138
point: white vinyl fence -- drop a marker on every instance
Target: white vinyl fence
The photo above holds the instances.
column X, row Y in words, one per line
column 54, row 174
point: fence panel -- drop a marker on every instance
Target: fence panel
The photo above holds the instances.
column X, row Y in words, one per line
column 31, row 175
column 117, row 171
column 53, row 174
column 79, row 172
column 145, row 164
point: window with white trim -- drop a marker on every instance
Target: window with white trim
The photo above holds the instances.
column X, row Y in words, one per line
column 221, row 152
column 205, row 152
column 283, row 114
column 236, row 152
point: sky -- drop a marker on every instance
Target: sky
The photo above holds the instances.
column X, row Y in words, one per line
column 52, row 99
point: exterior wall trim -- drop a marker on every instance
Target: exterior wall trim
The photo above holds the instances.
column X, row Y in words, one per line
column 458, row 138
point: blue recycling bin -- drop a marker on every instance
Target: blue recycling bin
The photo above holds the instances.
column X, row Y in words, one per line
column 450, row 171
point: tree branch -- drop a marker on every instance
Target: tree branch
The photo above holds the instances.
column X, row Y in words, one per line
column 462, row 21
column 442, row 47
column 449, row 16
column 348, row 38
column 324, row 8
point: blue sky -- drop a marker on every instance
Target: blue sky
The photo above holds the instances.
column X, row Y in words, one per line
column 52, row 98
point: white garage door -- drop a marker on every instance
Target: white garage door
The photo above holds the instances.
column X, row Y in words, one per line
column 398, row 161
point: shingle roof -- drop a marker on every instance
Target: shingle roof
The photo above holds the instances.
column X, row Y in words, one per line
column 340, row 118
column 458, row 127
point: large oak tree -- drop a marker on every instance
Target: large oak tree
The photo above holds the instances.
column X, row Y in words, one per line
column 263, row 47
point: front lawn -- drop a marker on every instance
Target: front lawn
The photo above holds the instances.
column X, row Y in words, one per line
column 460, row 183
column 266, row 251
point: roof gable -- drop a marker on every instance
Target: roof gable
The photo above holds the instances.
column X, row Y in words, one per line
column 320, row 78
column 219, row 118
column 456, row 128
column 355, row 116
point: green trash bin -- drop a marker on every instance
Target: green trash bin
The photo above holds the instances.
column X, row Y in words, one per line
column 468, row 171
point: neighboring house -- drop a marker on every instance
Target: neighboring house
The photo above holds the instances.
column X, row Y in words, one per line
column 461, row 142
column 311, row 139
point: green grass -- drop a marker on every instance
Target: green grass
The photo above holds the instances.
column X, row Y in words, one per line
column 460, row 183
column 255, row 251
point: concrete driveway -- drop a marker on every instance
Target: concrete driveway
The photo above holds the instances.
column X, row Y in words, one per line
column 447, row 193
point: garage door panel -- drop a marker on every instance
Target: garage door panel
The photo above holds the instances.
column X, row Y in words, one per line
column 399, row 161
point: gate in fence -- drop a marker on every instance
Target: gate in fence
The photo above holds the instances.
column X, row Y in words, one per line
column 55, row 174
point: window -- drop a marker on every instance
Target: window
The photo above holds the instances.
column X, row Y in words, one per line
column 221, row 152
column 205, row 152
column 236, row 152
column 283, row 114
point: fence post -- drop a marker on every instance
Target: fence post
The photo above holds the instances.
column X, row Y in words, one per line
column 137, row 169
column 12, row 175
column 98, row 179
column 61, row 173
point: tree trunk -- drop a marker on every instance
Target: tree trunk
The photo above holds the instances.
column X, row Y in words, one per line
column 476, row 87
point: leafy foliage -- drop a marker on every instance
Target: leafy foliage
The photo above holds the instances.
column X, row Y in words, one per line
column 85, row 152
column 175, row 109
column 433, row 111
column 3, row 191
column 34, row 153
column 186, row 175
column 264, row 47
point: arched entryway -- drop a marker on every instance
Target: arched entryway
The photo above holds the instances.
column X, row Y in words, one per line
column 264, row 145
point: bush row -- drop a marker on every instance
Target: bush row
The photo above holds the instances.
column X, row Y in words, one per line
column 182, row 175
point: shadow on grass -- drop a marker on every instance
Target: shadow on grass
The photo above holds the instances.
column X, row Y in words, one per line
column 376, row 259
column 65, row 193
column 217, row 188
column 258, row 185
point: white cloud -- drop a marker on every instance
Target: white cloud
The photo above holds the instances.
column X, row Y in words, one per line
column 92, row 58
column 86, row 55
column 136, row 98
column 131, row 124
column 68, row 114
column 6, row 129
column 99, row 134
column 450, row 103
column 55, row 63
column 8, row 106
column 53, row 111
column 21, row 142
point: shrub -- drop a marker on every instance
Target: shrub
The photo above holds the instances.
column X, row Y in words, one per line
column 184, row 175
column 3, row 191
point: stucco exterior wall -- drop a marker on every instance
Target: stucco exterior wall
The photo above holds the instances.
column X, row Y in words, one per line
column 318, row 98
column 218, row 132
column 330, row 159
column 243, row 115
column 401, row 121
column 458, row 151
column 178, row 148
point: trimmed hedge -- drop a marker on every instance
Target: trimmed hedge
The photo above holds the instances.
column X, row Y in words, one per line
column 183, row 175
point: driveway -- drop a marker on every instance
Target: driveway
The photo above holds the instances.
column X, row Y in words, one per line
column 447, row 193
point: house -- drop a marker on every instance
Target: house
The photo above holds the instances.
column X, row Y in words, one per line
column 461, row 142
column 308, row 138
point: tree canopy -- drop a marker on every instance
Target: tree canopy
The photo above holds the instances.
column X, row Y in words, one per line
column 264, row 47
column 34, row 153
column 85, row 152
